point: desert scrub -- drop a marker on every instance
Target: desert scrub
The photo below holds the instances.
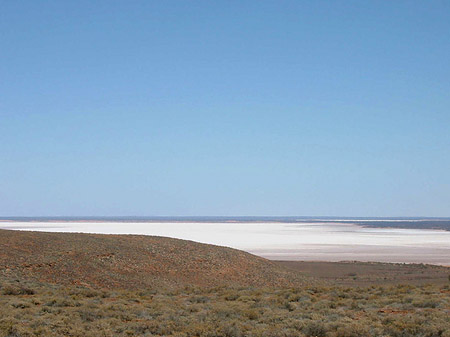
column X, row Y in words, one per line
column 218, row 312
column 16, row 290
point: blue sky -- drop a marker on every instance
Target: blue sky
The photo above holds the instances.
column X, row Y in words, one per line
column 225, row 108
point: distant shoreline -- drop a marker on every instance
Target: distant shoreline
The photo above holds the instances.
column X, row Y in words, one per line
column 398, row 223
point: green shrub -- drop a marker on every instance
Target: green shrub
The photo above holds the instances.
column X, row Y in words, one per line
column 315, row 329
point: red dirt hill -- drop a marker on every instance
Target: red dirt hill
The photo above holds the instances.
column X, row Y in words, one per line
column 133, row 262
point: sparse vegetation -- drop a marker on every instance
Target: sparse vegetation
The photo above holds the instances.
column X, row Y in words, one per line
column 353, row 273
column 57, row 290
column 273, row 312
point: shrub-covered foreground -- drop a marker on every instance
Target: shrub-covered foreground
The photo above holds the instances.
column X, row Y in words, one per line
column 310, row 311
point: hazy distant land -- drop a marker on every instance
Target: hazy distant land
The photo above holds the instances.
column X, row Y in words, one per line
column 377, row 222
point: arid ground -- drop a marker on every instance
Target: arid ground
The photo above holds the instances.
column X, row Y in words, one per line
column 63, row 284
column 372, row 273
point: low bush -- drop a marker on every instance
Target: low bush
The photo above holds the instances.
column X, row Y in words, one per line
column 310, row 312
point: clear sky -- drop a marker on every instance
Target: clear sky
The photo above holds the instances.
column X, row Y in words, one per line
column 225, row 108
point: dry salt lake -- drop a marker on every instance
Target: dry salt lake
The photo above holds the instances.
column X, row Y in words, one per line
column 303, row 241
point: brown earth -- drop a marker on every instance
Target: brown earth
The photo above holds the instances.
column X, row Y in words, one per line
column 133, row 262
column 371, row 273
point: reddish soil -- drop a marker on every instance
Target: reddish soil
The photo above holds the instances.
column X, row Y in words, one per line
column 133, row 262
